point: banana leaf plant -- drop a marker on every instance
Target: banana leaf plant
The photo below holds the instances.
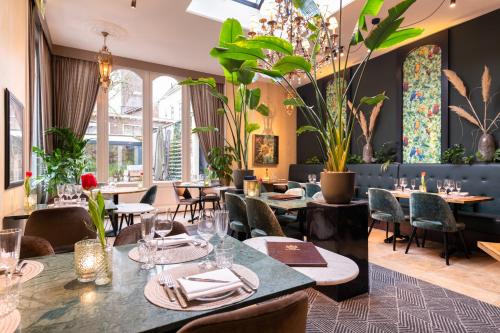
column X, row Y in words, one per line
column 334, row 128
column 243, row 99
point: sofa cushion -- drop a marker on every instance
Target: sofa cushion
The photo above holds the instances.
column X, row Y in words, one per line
column 372, row 175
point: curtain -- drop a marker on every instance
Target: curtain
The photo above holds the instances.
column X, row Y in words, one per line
column 205, row 114
column 76, row 84
column 46, row 91
column 31, row 67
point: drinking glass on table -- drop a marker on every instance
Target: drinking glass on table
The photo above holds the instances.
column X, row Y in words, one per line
column 313, row 176
column 309, row 178
column 148, row 225
column 404, row 183
column 413, row 184
column 78, row 191
column 224, row 255
column 69, row 191
column 439, row 185
column 452, row 185
column 458, row 185
column 396, row 184
column 447, row 185
column 147, row 251
column 206, row 230
column 221, row 223
column 10, row 245
column 60, row 192
column 164, row 225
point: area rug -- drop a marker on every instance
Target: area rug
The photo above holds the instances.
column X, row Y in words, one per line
column 401, row 303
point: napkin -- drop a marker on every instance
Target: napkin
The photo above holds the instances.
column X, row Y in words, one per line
column 175, row 240
column 195, row 289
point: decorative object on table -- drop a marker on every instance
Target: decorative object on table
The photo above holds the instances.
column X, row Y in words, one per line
column 252, row 188
column 456, row 155
column 333, row 133
column 367, row 127
column 386, row 155
column 30, row 196
column 246, row 181
column 156, row 294
column 265, row 149
column 423, row 182
column 14, row 141
column 422, row 91
column 488, row 124
column 85, row 260
column 496, row 158
column 220, row 161
column 104, row 257
column 300, row 254
column 66, row 162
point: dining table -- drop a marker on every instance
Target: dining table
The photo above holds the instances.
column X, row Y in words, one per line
column 201, row 186
column 55, row 301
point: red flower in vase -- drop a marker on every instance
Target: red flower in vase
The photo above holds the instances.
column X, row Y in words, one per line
column 89, row 181
column 29, row 174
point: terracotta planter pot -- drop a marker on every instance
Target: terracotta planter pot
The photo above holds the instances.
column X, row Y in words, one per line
column 486, row 147
column 225, row 181
column 239, row 176
column 368, row 153
column 338, row 187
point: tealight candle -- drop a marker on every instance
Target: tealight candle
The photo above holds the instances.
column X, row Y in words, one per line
column 86, row 260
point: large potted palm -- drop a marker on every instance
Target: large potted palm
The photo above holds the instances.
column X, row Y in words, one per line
column 333, row 127
column 240, row 100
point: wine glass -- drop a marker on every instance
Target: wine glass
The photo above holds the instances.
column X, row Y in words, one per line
column 439, row 185
column 309, row 178
column 164, row 225
column 78, row 191
column 452, row 185
column 60, row 192
column 313, row 176
column 206, row 230
column 413, row 184
column 221, row 223
column 396, row 184
column 458, row 185
column 69, row 191
column 447, row 185
column 148, row 224
column 404, row 183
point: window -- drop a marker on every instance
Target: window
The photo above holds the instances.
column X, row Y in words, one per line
column 251, row 3
column 36, row 126
column 125, row 111
column 91, row 148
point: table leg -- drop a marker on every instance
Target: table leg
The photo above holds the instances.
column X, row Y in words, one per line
column 114, row 217
column 202, row 204
column 301, row 218
column 397, row 234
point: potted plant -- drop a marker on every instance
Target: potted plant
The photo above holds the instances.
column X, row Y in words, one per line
column 334, row 127
column 241, row 101
column 486, row 146
column 220, row 161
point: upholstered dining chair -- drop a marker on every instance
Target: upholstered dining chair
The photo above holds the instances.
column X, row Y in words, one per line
column 32, row 246
column 429, row 211
column 384, row 207
column 260, row 216
column 61, row 227
column 292, row 184
column 150, row 196
column 312, row 189
column 238, row 222
column 183, row 198
column 282, row 315
column 131, row 234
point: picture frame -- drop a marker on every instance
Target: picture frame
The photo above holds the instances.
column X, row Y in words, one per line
column 14, row 141
column 265, row 150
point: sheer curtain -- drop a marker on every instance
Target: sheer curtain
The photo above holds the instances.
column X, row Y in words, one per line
column 76, row 84
column 205, row 114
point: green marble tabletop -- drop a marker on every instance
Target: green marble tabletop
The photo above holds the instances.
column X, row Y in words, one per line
column 295, row 204
column 55, row 301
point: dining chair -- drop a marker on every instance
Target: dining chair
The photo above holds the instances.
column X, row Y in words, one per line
column 61, row 227
column 183, row 199
column 312, row 189
column 131, row 234
column 32, row 246
column 238, row 222
column 429, row 211
column 260, row 216
column 384, row 207
column 150, row 196
column 286, row 314
column 292, row 184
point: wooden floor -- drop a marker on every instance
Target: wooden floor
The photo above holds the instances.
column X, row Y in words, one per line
column 478, row 277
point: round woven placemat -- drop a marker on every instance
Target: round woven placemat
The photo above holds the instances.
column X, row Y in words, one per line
column 155, row 293
column 32, row 269
column 10, row 322
column 176, row 255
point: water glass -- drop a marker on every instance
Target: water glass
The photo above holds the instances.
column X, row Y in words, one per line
column 148, row 225
column 224, row 255
column 447, row 185
column 458, row 185
column 147, row 253
column 60, row 192
column 396, row 184
column 206, row 230
column 57, row 202
column 439, row 185
column 404, row 183
column 78, row 191
column 9, row 294
column 164, row 225
column 413, row 184
column 309, row 178
column 452, row 185
column 10, row 245
column 221, row 223
column 69, row 191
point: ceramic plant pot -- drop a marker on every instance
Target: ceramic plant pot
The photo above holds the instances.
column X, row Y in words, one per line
column 486, row 147
column 338, row 187
column 368, row 153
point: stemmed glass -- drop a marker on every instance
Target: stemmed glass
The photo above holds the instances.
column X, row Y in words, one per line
column 206, row 230
column 404, row 183
column 309, row 178
column 221, row 223
column 452, row 185
column 148, row 225
column 78, row 191
column 60, row 192
column 447, row 185
column 10, row 245
column 69, row 191
column 458, row 185
column 164, row 225
column 313, row 177
column 396, row 184
column 439, row 185
column 413, row 184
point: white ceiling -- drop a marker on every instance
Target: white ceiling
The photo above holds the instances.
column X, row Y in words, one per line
column 162, row 32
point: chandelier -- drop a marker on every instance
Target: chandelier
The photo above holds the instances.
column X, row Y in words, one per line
column 280, row 18
column 105, row 61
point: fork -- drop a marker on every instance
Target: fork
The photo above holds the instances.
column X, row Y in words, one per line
column 169, row 292
column 169, row 281
column 20, row 267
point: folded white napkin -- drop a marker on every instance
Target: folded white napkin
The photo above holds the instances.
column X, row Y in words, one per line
column 175, row 240
column 195, row 289
column 296, row 191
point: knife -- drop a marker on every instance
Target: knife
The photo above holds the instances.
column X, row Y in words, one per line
column 180, row 298
column 244, row 280
column 190, row 278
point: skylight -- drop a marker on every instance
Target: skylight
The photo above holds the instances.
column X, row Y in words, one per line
column 251, row 3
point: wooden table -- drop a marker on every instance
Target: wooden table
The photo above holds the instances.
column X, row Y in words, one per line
column 493, row 249
column 55, row 301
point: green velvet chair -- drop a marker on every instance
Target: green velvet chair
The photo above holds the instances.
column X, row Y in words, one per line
column 292, row 184
column 431, row 212
column 260, row 216
column 384, row 207
column 312, row 189
column 237, row 208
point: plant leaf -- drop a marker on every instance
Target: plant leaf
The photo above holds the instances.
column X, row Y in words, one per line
column 230, row 31
column 400, row 36
column 245, row 74
column 270, row 73
column 221, row 111
column 231, row 51
column 251, row 127
column 268, row 43
column 289, row 64
column 307, row 128
column 374, row 100
column 204, row 129
column 263, row 110
column 209, row 81
column 294, row 102
column 253, row 98
column 372, row 8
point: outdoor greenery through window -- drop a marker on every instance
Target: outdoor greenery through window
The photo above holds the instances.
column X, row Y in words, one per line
column 91, row 148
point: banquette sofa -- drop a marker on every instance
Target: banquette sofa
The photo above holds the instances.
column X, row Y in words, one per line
column 482, row 220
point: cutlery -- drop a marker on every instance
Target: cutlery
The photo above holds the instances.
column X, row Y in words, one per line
column 169, row 292
column 171, row 285
column 20, row 267
column 190, row 278
column 244, row 280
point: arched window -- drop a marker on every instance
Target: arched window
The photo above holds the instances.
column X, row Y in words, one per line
column 422, row 105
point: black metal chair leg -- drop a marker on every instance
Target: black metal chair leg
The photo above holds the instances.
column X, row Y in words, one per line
column 131, row 219
column 413, row 233
column 371, row 227
column 445, row 244
column 416, row 240
column 121, row 222
column 423, row 238
column 462, row 239
column 192, row 212
column 185, row 210
column 394, row 239
column 176, row 210
column 386, row 230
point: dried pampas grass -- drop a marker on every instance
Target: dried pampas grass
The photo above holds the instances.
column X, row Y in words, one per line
column 465, row 115
column 456, row 81
column 486, row 84
column 373, row 117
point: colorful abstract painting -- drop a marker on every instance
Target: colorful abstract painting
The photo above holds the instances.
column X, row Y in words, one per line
column 422, row 105
column 266, row 148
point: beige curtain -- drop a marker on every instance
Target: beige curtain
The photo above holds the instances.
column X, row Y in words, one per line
column 31, row 64
column 46, row 90
column 205, row 114
column 76, row 84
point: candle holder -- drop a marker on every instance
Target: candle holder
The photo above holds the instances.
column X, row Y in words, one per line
column 86, row 259
column 252, row 188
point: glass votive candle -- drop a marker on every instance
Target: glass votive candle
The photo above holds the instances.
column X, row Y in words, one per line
column 224, row 255
column 253, row 188
column 86, row 260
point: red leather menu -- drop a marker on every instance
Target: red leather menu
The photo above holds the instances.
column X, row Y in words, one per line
column 284, row 197
column 296, row 254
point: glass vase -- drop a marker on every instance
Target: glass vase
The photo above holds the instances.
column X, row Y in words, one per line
column 104, row 265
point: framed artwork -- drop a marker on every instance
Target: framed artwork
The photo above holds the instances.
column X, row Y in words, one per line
column 265, row 149
column 14, row 141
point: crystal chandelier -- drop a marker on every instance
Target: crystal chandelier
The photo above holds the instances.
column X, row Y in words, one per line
column 280, row 18
column 105, row 61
